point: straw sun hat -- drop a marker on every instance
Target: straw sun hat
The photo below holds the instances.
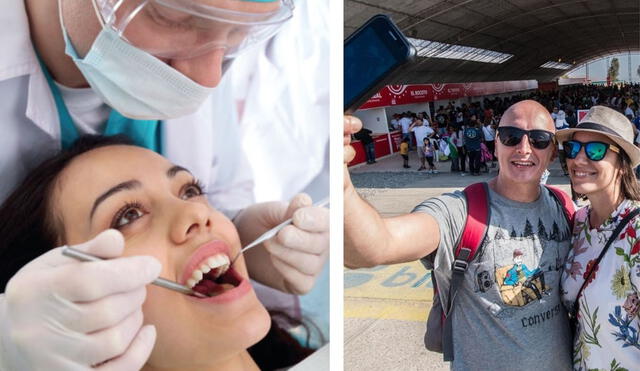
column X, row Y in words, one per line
column 610, row 123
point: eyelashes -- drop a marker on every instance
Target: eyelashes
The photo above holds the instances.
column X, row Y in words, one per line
column 134, row 210
column 127, row 214
column 192, row 189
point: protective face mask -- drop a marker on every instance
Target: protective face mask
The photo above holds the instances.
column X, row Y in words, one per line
column 135, row 83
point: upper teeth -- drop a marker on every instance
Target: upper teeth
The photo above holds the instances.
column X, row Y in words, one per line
column 522, row 163
column 217, row 261
column 580, row 173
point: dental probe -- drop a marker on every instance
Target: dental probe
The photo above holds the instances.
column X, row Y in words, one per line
column 162, row 282
column 272, row 232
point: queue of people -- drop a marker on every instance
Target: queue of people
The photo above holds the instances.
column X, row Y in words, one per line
column 547, row 287
column 471, row 142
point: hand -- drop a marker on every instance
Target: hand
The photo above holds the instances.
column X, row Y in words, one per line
column 292, row 260
column 352, row 125
column 61, row 314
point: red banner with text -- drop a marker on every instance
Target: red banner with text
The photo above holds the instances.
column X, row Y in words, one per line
column 393, row 95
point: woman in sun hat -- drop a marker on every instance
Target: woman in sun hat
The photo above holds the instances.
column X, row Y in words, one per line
column 601, row 277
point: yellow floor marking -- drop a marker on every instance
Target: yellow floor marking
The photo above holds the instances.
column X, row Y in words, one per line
column 400, row 291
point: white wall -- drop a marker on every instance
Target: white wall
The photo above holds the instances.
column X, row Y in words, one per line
column 373, row 119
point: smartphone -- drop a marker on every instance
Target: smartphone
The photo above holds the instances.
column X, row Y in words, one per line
column 372, row 56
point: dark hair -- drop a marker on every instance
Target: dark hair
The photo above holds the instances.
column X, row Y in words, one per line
column 629, row 184
column 28, row 230
column 279, row 341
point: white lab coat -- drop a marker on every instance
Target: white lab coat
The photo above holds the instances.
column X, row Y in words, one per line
column 206, row 142
column 283, row 88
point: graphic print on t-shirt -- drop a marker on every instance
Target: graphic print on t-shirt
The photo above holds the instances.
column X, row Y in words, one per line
column 521, row 268
column 518, row 284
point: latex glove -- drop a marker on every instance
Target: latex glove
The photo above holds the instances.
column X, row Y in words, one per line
column 291, row 260
column 61, row 314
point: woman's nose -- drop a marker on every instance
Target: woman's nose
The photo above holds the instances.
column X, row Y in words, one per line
column 581, row 157
column 205, row 69
column 190, row 220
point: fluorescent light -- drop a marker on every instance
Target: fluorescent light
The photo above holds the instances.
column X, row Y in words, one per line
column 434, row 49
column 557, row 65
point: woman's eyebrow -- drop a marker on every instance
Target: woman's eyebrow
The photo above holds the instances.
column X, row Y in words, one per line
column 174, row 170
column 131, row 184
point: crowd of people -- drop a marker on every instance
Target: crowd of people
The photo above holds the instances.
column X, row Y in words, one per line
column 461, row 134
column 465, row 133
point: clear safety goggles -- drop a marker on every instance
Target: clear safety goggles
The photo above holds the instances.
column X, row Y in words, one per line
column 180, row 29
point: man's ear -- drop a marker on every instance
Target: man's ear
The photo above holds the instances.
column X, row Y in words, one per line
column 554, row 153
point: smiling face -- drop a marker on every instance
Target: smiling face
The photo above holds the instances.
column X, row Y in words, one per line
column 595, row 177
column 522, row 163
column 161, row 211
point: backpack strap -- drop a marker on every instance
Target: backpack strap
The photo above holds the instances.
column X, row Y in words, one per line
column 567, row 203
column 475, row 228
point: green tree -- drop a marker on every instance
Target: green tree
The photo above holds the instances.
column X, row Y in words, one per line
column 528, row 229
column 555, row 233
column 542, row 233
column 614, row 69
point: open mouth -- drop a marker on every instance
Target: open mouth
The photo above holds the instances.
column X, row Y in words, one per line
column 523, row 164
column 214, row 276
column 582, row 174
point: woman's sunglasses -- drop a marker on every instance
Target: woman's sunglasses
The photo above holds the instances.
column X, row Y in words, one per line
column 512, row 136
column 595, row 151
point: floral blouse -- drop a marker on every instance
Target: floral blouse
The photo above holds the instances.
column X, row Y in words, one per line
column 607, row 331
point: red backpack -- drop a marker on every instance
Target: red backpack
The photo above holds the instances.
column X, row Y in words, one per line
column 439, row 335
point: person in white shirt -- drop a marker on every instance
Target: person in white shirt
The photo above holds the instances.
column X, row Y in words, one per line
column 629, row 112
column 421, row 131
column 489, row 138
column 404, row 123
column 560, row 120
column 394, row 121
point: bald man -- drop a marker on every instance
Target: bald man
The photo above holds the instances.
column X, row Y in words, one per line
column 507, row 312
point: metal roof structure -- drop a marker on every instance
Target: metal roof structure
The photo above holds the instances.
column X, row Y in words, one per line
column 534, row 32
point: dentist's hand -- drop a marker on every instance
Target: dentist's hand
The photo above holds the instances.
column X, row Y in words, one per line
column 61, row 314
column 292, row 260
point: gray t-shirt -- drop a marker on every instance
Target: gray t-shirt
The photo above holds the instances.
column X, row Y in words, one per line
column 508, row 313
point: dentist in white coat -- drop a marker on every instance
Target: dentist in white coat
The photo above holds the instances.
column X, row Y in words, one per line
column 283, row 87
column 151, row 70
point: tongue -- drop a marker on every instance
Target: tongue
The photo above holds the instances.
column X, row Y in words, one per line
column 211, row 286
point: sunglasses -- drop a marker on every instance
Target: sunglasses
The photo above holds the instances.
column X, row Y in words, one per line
column 595, row 151
column 512, row 136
